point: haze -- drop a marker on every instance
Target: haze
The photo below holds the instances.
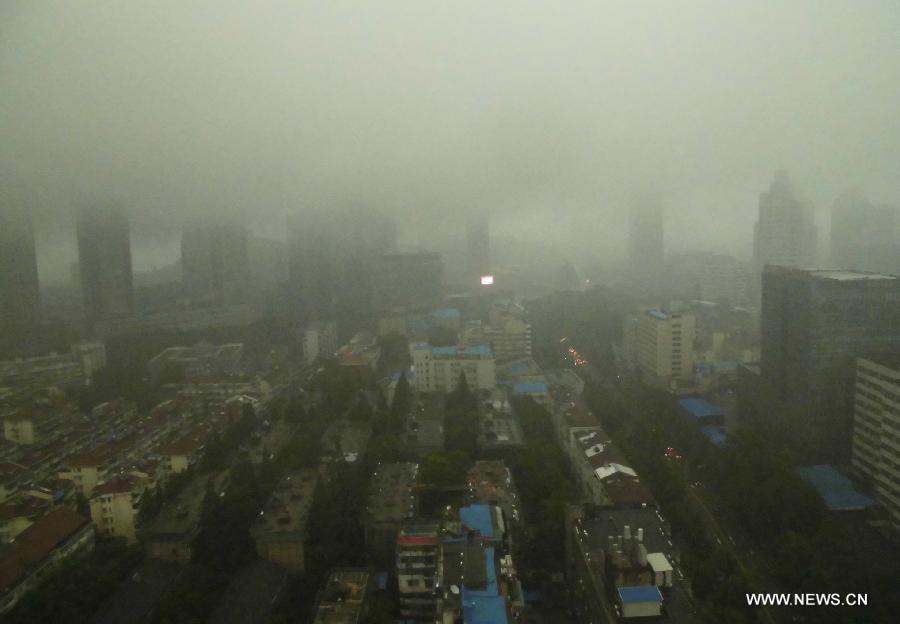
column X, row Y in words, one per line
column 549, row 115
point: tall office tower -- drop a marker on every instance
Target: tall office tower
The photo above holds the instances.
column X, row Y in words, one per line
column 645, row 243
column 19, row 292
column 104, row 257
column 478, row 246
column 864, row 235
column 813, row 324
column 215, row 263
column 876, row 429
column 785, row 234
column 407, row 280
column 330, row 256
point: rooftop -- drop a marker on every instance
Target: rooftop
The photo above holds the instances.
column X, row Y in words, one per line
column 642, row 593
column 478, row 517
column 287, row 509
column 836, row 490
column 391, row 496
column 530, row 388
column 699, row 408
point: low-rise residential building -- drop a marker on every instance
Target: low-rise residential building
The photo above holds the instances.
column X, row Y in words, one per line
column 170, row 536
column 491, row 483
column 345, row 441
column 876, row 430
column 418, row 569
column 180, row 454
column 59, row 535
column 76, row 368
column 280, row 530
column 392, row 500
column 11, row 474
column 344, row 599
column 114, row 507
column 200, row 360
column 18, row 515
column 602, row 473
column 509, row 338
column 438, row 369
column 89, row 468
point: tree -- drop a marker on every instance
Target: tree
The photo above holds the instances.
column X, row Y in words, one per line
column 447, row 469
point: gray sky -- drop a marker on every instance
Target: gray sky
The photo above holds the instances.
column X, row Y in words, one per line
column 548, row 114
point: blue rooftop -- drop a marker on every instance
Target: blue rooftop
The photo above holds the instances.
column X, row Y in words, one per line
column 482, row 349
column 641, row 593
column 716, row 435
column 835, row 489
column 484, row 606
column 699, row 408
column 420, row 325
column 446, row 314
column 530, row 387
column 478, row 517
column 658, row 314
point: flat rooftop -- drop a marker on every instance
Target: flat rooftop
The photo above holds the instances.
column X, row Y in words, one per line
column 391, row 495
column 836, row 490
column 287, row 510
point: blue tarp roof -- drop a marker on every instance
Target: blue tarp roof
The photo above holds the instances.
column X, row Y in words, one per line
column 518, row 367
column 657, row 314
column 448, row 314
column 641, row 593
column 478, row 517
column 484, row 606
column 381, row 580
column 717, row 435
column 835, row 489
column 699, row 408
column 530, row 387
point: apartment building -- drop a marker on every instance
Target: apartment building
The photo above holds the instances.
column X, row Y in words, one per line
column 280, row 530
column 438, row 369
column 665, row 345
column 876, row 429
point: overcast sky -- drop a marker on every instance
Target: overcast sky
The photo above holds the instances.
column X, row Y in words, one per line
column 548, row 114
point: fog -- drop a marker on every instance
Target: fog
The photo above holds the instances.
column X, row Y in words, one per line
column 549, row 115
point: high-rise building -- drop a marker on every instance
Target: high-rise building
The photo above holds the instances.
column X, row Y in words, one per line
column 478, row 245
column 813, row 324
column 407, row 280
column 215, row 263
column 665, row 345
column 645, row 243
column 19, row 292
column 785, row 234
column 329, row 261
column 864, row 235
column 104, row 257
column 876, row 429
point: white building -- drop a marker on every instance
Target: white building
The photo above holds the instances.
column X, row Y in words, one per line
column 665, row 345
column 876, row 429
column 318, row 339
column 785, row 234
column 437, row 369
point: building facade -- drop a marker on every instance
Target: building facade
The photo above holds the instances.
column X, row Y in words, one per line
column 864, row 235
column 785, row 234
column 215, row 263
column 665, row 345
column 104, row 259
column 814, row 323
column 876, row 429
column 438, row 369
column 20, row 303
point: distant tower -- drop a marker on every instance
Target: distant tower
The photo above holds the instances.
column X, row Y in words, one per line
column 19, row 292
column 645, row 242
column 785, row 234
column 215, row 263
column 863, row 234
column 478, row 243
column 104, row 258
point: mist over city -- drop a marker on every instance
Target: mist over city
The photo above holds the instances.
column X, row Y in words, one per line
column 459, row 313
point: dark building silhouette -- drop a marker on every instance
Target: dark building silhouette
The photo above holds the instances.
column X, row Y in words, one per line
column 478, row 247
column 215, row 263
column 330, row 257
column 104, row 259
column 785, row 234
column 19, row 289
column 646, row 251
column 813, row 324
column 407, row 280
column 864, row 235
